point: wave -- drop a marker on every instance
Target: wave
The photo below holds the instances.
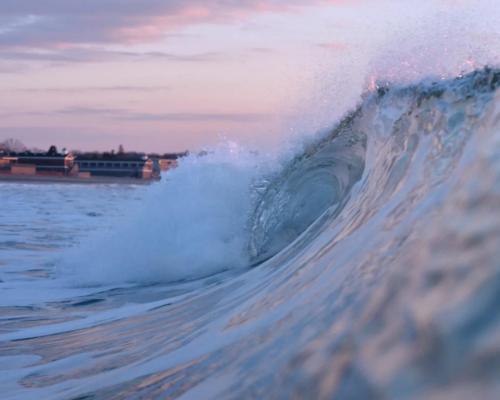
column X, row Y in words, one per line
column 320, row 178
column 363, row 266
column 190, row 225
column 232, row 208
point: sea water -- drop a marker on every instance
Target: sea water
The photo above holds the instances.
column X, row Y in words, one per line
column 365, row 265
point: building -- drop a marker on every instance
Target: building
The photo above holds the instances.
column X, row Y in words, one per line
column 128, row 165
column 89, row 167
column 167, row 161
column 51, row 163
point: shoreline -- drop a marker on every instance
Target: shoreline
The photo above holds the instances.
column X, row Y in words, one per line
column 73, row 180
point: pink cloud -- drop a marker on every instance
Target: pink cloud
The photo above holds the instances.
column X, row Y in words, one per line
column 60, row 23
column 334, row 46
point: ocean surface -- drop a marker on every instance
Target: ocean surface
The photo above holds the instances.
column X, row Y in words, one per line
column 366, row 265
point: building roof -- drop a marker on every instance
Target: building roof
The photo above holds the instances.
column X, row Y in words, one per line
column 37, row 155
column 111, row 157
column 169, row 156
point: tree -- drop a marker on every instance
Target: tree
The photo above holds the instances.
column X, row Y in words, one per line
column 52, row 151
column 121, row 150
column 13, row 145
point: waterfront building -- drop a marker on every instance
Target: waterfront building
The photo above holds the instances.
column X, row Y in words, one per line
column 128, row 165
column 89, row 167
column 51, row 163
column 168, row 161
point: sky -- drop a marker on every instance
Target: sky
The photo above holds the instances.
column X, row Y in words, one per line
column 174, row 75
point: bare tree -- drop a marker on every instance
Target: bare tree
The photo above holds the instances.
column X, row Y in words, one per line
column 13, row 145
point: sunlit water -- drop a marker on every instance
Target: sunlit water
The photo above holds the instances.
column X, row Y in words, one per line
column 367, row 266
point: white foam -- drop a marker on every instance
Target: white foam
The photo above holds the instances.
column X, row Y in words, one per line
column 190, row 225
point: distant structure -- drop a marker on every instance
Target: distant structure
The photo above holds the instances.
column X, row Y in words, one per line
column 84, row 167
column 120, row 165
column 167, row 161
column 27, row 163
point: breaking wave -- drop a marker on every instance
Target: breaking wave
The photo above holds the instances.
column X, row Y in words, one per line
column 364, row 266
column 249, row 207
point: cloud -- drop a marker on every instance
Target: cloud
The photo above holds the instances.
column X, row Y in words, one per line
column 200, row 117
column 95, row 54
column 63, row 23
column 122, row 114
column 119, row 114
column 13, row 68
column 334, row 46
column 68, row 90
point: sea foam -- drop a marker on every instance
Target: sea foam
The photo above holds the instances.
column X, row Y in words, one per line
column 191, row 224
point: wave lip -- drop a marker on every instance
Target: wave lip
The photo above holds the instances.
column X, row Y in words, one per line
column 321, row 178
column 318, row 180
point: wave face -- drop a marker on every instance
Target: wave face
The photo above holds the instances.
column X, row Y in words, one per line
column 366, row 266
column 317, row 180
